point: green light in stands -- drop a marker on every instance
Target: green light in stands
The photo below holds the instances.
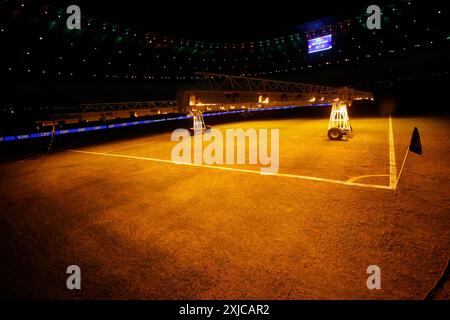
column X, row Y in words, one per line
column 52, row 25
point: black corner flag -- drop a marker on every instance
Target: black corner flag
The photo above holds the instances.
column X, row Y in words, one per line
column 415, row 145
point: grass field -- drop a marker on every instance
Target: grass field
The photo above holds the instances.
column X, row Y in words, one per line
column 141, row 227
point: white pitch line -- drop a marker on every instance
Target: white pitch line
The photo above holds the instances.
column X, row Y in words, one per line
column 392, row 164
column 148, row 141
column 367, row 176
column 376, row 186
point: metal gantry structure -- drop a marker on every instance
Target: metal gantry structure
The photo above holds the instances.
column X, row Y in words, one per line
column 216, row 92
column 111, row 106
column 224, row 92
column 220, row 92
column 106, row 111
column 222, row 82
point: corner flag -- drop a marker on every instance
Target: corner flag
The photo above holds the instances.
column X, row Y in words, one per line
column 415, row 145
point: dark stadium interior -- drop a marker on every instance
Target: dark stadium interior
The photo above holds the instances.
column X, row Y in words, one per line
column 120, row 58
column 132, row 51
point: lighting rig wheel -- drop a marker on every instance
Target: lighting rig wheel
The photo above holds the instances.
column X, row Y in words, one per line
column 335, row 134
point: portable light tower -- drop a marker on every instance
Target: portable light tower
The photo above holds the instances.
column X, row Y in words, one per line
column 339, row 123
column 199, row 126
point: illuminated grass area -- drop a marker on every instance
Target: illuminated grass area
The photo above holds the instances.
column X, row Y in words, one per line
column 157, row 230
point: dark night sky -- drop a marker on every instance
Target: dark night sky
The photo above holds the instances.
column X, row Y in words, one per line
column 218, row 20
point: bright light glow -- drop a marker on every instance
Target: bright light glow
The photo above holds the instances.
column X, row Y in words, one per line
column 263, row 99
column 192, row 99
column 312, row 99
column 205, row 104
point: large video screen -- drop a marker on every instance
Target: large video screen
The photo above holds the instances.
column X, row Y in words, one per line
column 320, row 44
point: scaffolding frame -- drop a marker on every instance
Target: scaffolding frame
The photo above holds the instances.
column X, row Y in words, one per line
column 339, row 122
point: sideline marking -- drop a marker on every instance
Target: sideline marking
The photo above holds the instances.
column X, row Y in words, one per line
column 367, row 176
column 375, row 186
column 392, row 164
column 129, row 146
